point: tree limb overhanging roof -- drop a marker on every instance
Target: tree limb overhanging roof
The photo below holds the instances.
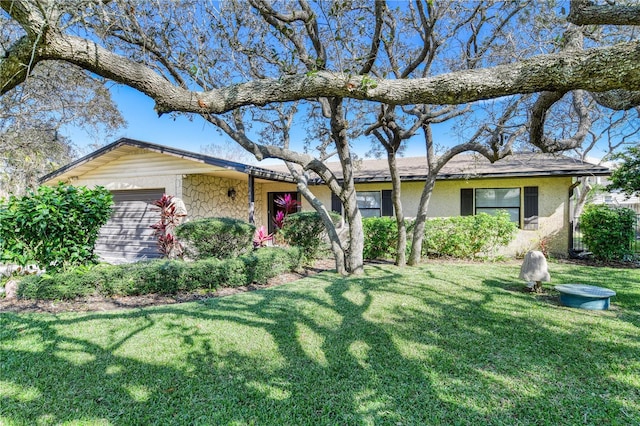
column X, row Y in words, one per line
column 410, row 168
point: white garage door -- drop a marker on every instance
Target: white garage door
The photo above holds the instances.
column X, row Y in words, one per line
column 128, row 236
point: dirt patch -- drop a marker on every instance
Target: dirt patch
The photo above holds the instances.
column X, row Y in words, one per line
column 103, row 304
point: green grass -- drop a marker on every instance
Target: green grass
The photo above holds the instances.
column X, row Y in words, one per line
column 446, row 343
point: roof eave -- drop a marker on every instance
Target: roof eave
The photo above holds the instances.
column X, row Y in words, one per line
column 459, row 176
column 213, row 161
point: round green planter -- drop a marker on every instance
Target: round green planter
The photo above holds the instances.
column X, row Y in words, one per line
column 584, row 296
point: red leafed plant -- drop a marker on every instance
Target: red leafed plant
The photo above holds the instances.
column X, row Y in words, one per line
column 261, row 237
column 288, row 205
column 168, row 244
column 278, row 219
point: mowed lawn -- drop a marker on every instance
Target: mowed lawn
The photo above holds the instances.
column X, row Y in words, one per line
column 446, row 343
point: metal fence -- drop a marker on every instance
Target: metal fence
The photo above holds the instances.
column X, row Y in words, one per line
column 576, row 242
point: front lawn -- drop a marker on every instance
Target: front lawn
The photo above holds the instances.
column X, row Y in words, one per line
column 446, row 343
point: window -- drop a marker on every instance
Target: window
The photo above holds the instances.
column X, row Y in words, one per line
column 369, row 203
column 488, row 200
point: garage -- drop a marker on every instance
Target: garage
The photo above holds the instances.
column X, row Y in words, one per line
column 128, row 236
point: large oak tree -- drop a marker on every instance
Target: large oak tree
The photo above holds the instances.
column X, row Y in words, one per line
column 34, row 115
column 225, row 61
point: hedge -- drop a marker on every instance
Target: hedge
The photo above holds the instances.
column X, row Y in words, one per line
column 161, row 276
column 217, row 237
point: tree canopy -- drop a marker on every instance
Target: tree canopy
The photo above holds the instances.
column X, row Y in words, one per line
column 626, row 176
column 54, row 31
column 34, row 114
column 256, row 68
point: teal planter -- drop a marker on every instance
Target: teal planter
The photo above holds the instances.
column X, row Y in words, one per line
column 584, row 296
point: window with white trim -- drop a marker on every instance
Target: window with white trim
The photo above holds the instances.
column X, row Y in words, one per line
column 370, row 203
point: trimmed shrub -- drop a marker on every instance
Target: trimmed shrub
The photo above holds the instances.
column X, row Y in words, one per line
column 269, row 262
column 161, row 276
column 217, row 237
column 306, row 230
column 608, row 232
column 56, row 286
column 380, row 237
column 468, row 236
column 53, row 227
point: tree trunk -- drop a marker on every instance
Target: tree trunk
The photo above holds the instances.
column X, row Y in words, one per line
column 421, row 218
column 355, row 262
column 338, row 251
column 401, row 246
column 583, row 190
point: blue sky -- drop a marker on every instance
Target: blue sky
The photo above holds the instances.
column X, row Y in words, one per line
column 144, row 124
column 182, row 132
column 193, row 133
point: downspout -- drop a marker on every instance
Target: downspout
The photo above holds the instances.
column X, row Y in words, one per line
column 572, row 224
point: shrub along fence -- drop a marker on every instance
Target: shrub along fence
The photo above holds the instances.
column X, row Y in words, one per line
column 578, row 246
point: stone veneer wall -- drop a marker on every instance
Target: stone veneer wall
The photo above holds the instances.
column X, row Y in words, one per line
column 206, row 196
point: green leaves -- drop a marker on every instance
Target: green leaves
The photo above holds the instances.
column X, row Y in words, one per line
column 627, row 176
column 608, row 232
column 53, row 227
column 468, row 236
column 305, row 230
column 380, row 237
column 161, row 276
column 218, row 237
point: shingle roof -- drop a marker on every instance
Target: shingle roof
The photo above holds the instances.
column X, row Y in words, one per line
column 465, row 166
column 468, row 166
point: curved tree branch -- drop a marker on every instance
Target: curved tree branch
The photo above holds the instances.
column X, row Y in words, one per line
column 380, row 8
column 540, row 108
column 619, row 100
column 596, row 70
column 582, row 12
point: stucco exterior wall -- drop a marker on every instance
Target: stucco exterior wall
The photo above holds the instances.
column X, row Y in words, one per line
column 553, row 208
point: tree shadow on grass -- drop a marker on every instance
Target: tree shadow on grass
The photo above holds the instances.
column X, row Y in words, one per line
column 388, row 347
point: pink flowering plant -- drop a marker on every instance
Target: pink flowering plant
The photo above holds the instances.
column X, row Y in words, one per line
column 287, row 204
column 261, row 237
column 278, row 219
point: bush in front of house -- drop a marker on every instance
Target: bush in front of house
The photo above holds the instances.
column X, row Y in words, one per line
column 53, row 227
column 380, row 237
column 608, row 232
column 161, row 276
column 468, row 236
column 268, row 262
column 306, row 230
column 217, row 237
